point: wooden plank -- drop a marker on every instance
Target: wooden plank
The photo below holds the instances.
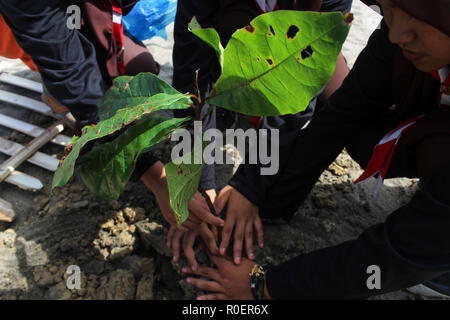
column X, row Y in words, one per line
column 7, row 167
column 21, row 82
column 24, row 181
column 26, row 103
column 30, row 129
column 6, row 211
column 40, row 159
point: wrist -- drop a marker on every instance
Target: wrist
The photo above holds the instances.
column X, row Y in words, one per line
column 155, row 178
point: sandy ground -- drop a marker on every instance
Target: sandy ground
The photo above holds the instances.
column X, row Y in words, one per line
column 120, row 245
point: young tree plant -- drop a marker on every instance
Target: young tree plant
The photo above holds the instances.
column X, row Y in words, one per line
column 274, row 66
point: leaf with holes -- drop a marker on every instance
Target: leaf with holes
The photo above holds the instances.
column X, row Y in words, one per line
column 208, row 35
column 279, row 62
column 183, row 180
column 120, row 120
column 129, row 92
column 109, row 166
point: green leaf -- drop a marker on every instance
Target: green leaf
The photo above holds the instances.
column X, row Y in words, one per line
column 183, row 180
column 129, row 92
column 210, row 36
column 120, row 120
column 267, row 71
column 108, row 167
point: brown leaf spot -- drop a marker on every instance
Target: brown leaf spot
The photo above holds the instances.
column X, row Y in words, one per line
column 348, row 19
column 292, row 32
column 180, row 171
column 269, row 61
column 258, row 59
column 250, row 28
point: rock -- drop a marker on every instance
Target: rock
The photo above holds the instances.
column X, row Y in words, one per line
column 117, row 253
column 55, row 207
column 140, row 266
column 115, row 204
column 337, row 170
column 107, row 225
column 76, row 188
column 78, row 205
column 144, row 289
column 40, row 202
column 153, row 235
column 59, row 292
column 134, row 214
column 94, row 267
column 43, row 277
column 323, row 201
column 118, row 285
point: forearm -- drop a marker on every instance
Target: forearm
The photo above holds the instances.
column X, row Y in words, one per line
column 409, row 248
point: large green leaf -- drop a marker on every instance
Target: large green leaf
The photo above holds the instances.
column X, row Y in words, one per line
column 267, row 69
column 129, row 92
column 120, row 120
column 210, row 36
column 183, row 180
column 108, row 167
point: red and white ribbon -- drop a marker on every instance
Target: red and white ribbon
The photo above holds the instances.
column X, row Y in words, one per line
column 383, row 154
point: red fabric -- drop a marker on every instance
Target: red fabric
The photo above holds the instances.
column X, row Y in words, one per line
column 9, row 48
column 117, row 32
column 384, row 152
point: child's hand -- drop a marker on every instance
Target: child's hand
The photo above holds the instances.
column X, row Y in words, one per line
column 176, row 237
column 243, row 217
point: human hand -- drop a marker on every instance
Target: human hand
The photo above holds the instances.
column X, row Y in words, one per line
column 227, row 282
column 155, row 179
column 176, row 237
column 243, row 217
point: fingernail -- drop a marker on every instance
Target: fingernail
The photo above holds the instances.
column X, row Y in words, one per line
column 222, row 251
column 199, row 298
column 251, row 256
column 184, row 270
column 222, row 224
column 237, row 260
column 188, row 280
column 175, row 258
column 194, row 267
column 261, row 245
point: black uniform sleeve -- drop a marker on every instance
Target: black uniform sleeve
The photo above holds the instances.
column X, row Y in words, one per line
column 65, row 58
column 410, row 247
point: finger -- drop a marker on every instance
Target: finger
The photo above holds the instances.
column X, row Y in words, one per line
column 259, row 230
column 209, row 239
column 222, row 199
column 214, row 296
column 226, row 233
column 238, row 240
column 249, row 240
column 206, row 285
column 207, row 272
column 220, row 262
column 204, row 214
column 176, row 244
column 188, row 247
column 170, row 234
column 189, row 225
